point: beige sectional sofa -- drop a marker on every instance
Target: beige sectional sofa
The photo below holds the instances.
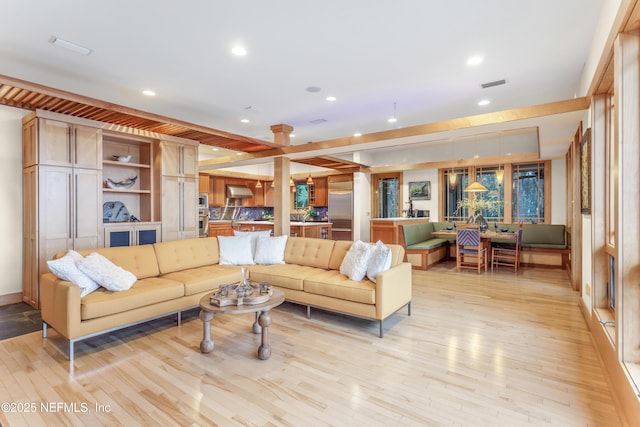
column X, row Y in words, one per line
column 174, row 276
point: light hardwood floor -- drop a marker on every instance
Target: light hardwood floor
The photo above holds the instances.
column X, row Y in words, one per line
column 493, row 349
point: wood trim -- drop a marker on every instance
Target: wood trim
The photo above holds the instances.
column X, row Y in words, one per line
column 10, row 298
column 505, row 116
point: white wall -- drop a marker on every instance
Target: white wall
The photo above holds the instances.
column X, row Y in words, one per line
column 416, row 176
column 558, row 191
column 11, row 196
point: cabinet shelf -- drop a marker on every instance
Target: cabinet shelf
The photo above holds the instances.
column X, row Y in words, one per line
column 125, row 190
column 126, row 165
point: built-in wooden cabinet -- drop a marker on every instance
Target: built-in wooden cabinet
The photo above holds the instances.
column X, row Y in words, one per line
column 320, row 192
column 66, row 163
column 139, row 199
column 62, row 199
column 130, row 234
column 204, row 183
column 220, row 229
column 179, row 184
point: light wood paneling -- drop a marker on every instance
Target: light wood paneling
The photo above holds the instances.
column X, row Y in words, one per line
column 493, row 349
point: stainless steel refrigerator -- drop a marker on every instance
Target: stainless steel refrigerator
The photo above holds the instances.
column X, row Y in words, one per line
column 341, row 209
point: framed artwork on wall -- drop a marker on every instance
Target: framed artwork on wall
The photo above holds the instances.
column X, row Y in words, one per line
column 420, row 190
column 585, row 172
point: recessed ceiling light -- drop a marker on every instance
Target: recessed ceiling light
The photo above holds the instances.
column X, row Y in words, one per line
column 214, row 149
column 475, row 60
column 70, row 46
column 484, row 102
column 392, row 120
column 330, row 98
column 239, row 154
column 148, row 93
column 357, row 134
column 239, row 51
column 292, row 135
column 244, row 120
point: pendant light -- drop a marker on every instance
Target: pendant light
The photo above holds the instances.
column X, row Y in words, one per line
column 500, row 171
column 475, row 187
column 309, row 180
column 394, row 118
column 292, row 184
column 259, row 183
column 452, row 174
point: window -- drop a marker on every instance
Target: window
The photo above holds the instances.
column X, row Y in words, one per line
column 526, row 203
column 301, row 196
column 487, row 176
column 453, row 193
column 386, row 190
column 528, row 193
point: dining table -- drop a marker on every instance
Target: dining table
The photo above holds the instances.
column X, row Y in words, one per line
column 485, row 236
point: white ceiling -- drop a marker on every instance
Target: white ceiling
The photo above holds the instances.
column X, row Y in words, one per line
column 370, row 55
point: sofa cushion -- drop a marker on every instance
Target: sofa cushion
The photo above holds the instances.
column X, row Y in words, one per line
column 428, row 244
column 235, row 250
column 288, row 276
column 340, row 249
column 178, row 255
column 416, row 233
column 356, row 260
column 255, row 235
column 380, row 261
column 270, row 250
column 106, row 274
column 66, row 268
column 207, row 278
column 143, row 293
column 550, row 235
column 139, row 260
column 307, row 251
column 335, row 285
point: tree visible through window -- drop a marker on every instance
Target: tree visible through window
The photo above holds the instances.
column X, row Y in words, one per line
column 528, row 193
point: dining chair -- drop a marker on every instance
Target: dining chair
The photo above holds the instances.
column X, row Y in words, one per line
column 470, row 252
column 507, row 256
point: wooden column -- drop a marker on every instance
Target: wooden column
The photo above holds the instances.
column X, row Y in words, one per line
column 599, row 257
column 627, row 134
column 281, row 191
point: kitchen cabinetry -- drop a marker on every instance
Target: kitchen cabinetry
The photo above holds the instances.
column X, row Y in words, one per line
column 220, row 229
column 179, row 191
column 130, row 234
column 318, row 192
column 217, row 197
column 61, row 201
column 204, row 183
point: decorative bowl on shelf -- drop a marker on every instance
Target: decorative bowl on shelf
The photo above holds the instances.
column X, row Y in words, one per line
column 127, row 183
column 504, row 230
column 449, row 227
column 123, row 159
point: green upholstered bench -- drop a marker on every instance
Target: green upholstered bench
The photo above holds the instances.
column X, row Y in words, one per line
column 542, row 244
column 422, row 249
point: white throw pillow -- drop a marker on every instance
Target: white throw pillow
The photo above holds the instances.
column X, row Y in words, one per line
column 255, row 235
column 235, row 250
column 380, row 260
column 270, row 250
column 106, row 273
column 356, row 261
column 66, row 268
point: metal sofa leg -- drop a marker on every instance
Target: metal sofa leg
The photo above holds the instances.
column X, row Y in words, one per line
column 381, row 331
column 308, row 312
column 44, row 330
column 409, row 309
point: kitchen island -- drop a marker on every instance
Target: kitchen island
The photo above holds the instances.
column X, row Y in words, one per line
column 388, row 229
column 317, row 229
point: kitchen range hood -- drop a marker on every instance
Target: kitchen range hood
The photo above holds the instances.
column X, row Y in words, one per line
column 239, row 192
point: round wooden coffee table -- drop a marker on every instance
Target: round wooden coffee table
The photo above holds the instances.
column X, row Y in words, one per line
column 261, row 323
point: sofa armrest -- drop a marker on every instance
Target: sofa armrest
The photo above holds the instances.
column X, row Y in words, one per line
column 393, row 290
column 60, row 304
